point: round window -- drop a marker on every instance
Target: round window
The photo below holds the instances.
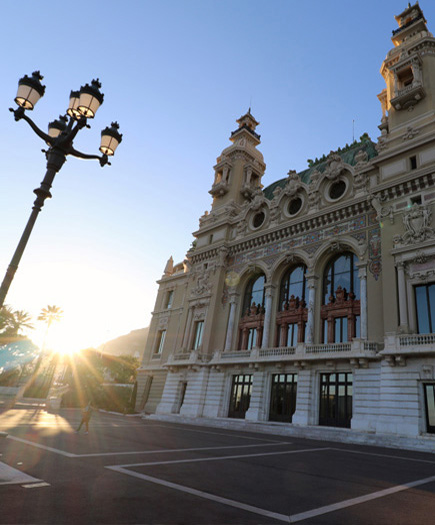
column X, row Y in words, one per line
column 294, row 206
column 258, row 219
column 337, row 189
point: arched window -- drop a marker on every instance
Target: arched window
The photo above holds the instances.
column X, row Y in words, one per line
column 254, row 293
column 252, row 318
column 340, row 311
column 292, row 312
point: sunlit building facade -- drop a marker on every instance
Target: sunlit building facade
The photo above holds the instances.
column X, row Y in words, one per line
column 311, row 302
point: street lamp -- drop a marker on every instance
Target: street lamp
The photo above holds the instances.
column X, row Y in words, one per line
column 83, row 105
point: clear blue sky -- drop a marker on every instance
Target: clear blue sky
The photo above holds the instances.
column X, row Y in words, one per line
column 176, row 75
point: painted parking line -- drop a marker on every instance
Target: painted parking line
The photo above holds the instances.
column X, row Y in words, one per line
column 197, row 449
column 125, row 469
column 13, row 476
column 357, row 501
column 43, row 447
column 205, row 495
column 161, row 451
column 222, row 458
column 378, row 454
column 199, row 493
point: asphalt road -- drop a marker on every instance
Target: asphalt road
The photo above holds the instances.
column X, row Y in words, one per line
column 129, row 470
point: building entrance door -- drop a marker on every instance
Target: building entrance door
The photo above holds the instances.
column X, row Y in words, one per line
column 283, row 397
column 335, row 400
column 240, row 395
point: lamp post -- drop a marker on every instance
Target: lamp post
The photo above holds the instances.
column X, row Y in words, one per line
column 83, row 105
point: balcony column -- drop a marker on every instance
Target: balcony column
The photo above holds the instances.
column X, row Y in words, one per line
column 187, row 329
column 231, row 320
column 403, row 310
column 268, row 315
column 362, row 274
column 312, row 285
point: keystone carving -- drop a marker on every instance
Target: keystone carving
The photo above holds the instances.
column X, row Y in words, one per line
column 293, row 183
column 334, row 166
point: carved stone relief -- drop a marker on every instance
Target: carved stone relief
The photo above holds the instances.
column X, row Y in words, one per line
column 375, row 254
column 417, row 226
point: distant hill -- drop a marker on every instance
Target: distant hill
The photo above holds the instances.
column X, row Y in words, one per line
column 129, row 344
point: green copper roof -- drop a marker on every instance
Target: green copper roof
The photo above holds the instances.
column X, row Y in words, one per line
column 347, row 154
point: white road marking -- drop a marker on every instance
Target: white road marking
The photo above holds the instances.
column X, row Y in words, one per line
column 390, row 456
column 165, row 451
column 12, row 476
column 36, row 485
column 222, row 458
column 201, row 494
column 356, row 501
column 161, row 451
column 43, row 447
column 125, row 469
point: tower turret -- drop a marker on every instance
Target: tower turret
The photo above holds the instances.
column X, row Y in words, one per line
column 409, row 73
column 240, row 167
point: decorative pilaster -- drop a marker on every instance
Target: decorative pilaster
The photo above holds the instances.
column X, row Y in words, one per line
column 231, row 321
column 312, row 285
column 268, row 315
column 362, row 274
column 403, row 310
column 187, row 329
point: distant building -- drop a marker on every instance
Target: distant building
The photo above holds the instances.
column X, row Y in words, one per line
column 312, row 301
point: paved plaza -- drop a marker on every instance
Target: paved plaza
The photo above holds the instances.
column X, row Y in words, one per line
column 130, row 470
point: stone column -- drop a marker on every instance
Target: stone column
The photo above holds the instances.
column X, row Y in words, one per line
column 403, row 309
column 187, row 329
column 268, row 315
column 312, row 285
column 231, row 320
column 362, row 274
column 257, row 409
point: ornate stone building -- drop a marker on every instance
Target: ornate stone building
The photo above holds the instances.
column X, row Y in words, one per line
column 312, row 302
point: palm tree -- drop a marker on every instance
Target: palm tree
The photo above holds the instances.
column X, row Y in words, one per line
column 40, row 383
column 21, row 321
column 13, row 321
column 50, row 315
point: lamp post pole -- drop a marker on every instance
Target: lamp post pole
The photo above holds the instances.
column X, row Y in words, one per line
column 61, row 133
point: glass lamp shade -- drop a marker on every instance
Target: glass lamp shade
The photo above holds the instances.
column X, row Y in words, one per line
column 90, row 100
column 30, row 90
column 110, row 139
column 56, row 127
column 72, row 110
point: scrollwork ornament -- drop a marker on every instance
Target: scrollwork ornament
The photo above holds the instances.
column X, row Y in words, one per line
column 417, row 226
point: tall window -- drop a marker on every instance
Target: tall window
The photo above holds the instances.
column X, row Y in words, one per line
column 197, row 340
column 429, row 398
column 160, row 341
column 335, row 399
column 292, row 284
column 169, row 298
column 254, row 293
column 240, row 395
column 425, row 307
column 283, row 397
column 252, row 319
column 341, row 271
column 340, row 312
column 292, row 311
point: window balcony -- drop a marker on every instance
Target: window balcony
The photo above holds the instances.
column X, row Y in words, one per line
column 358, row 351
column 408, row 96
column 400, row 346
